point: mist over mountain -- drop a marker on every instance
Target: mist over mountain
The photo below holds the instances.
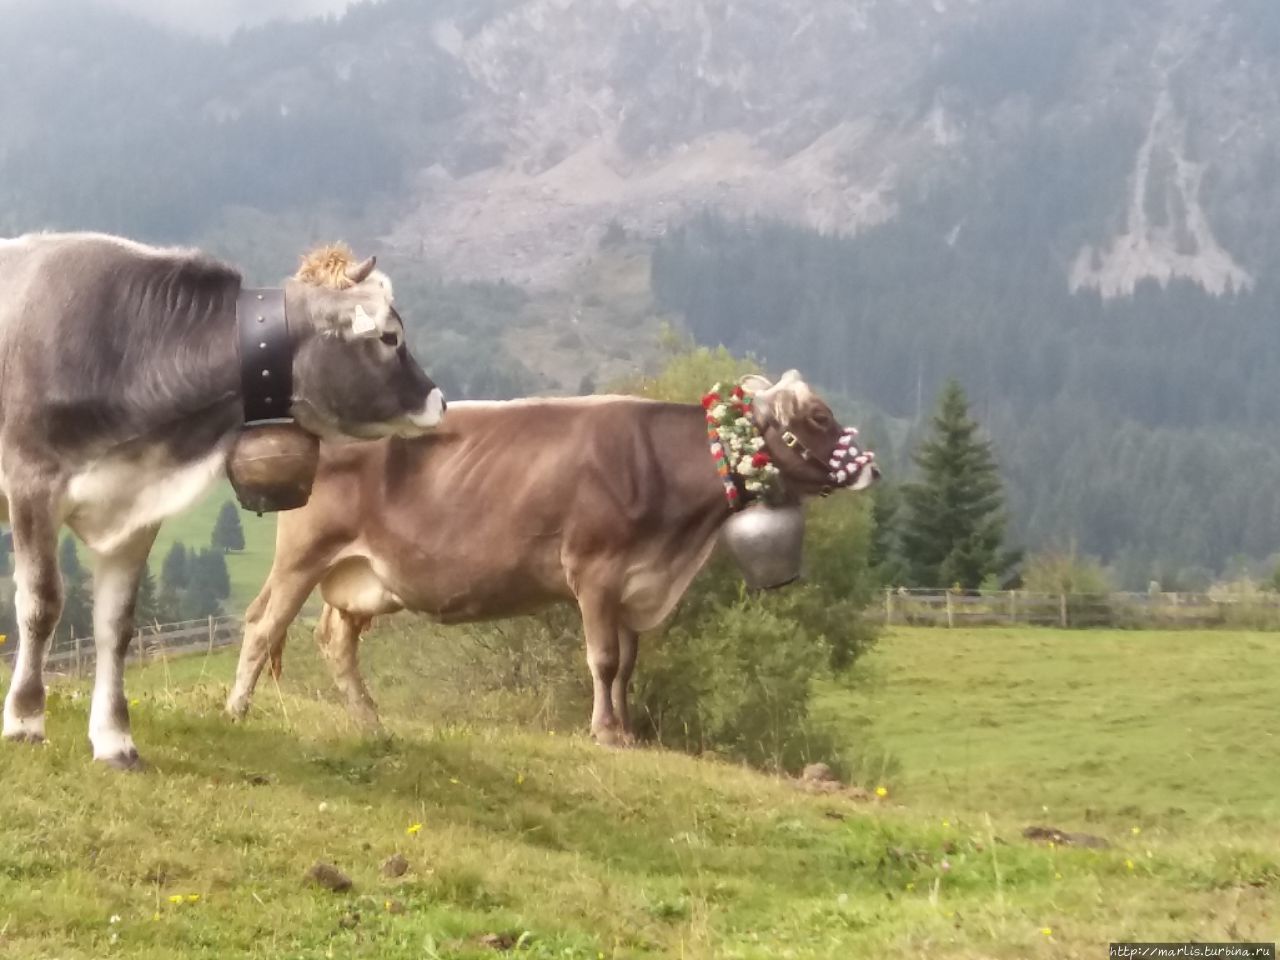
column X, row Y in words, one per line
column 1070, row 205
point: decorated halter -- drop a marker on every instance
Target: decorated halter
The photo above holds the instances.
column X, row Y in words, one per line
column 740, row 455
column 847, row 460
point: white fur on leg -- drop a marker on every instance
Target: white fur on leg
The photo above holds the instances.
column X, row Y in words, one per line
column 113, row 746
column 28, row 668
column 115, row 581
column 22, row 728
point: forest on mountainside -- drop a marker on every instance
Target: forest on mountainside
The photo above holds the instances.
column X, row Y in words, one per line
column 1144, row 430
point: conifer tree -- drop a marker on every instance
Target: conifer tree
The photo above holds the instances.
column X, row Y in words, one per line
column 953, row 532
column 228, row 534
column 173, row 573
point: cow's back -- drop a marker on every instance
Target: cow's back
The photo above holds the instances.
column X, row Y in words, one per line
column 89, row 324
column 483, row 514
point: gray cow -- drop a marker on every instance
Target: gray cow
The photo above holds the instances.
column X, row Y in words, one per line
column 120, row 392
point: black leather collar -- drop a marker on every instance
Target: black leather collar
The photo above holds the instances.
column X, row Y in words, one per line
column 266, row 355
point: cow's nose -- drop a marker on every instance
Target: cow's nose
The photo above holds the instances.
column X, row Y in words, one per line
column 432, row 411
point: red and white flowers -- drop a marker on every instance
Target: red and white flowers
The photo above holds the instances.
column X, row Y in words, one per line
column 737, row 446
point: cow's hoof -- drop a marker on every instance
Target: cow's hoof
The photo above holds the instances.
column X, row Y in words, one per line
column 127, row 761
column 24, row 736
column 613, row 738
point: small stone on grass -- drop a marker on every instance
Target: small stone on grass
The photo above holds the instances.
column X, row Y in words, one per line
column 329, row 877
column 395, row 866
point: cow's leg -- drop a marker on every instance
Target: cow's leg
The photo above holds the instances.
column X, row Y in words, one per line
column 338, row 636
column 38, row 605
column 265, row 623
column 115, row 593
column 600, row 615
column 628, row 647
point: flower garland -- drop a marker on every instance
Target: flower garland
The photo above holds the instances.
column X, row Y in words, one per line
column 737, row 446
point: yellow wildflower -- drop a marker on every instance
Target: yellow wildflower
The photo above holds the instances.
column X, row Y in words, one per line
column 192, row 897
column 413, row 828
column 3, row 638
column 1135, row 830
column 176, row 898
column 946, row 824
column 882, row 792
column 454, row 780
column 1129, row 864
column 1047, row 931
column 519, row 779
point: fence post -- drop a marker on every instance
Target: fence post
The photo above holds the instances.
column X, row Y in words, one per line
column 76, row 640
column 951, row 622
column 1013, row 606
column 1062, row 609
column 888, row 606
column 210, row 650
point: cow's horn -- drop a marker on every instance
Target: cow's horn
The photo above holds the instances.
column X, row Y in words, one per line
column 359, row 272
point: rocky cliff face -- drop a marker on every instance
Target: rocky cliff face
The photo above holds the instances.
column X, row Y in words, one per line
column 1128, row 141
column 843, row 114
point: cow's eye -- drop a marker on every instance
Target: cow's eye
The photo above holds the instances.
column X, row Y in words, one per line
column 390, row 339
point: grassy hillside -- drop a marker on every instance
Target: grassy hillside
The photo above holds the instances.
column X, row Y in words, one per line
column 547, row 844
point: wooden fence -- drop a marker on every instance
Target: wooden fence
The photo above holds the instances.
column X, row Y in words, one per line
column 943, row 608
column 76, row 655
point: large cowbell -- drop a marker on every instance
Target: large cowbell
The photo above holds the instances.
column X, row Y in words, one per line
column 767, row 543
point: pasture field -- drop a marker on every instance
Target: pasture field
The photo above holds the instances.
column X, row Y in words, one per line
column 534, row 843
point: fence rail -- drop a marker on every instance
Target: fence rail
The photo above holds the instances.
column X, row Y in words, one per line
column 76, row 655
column 935, row 608
column 1257, row 611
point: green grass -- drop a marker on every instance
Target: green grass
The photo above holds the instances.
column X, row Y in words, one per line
column 589, row 853
column 1099, row 726
column 248, row 568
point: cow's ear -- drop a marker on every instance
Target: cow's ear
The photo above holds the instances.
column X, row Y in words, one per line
column 366, row 318
column 362, row 324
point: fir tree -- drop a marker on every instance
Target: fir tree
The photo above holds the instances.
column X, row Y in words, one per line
column 173, row 573
column 77, row 603
column 209, row 571
column 147, row 608
column 953, row 531
column 228, row 534
column 199, row 601
column 886, row 556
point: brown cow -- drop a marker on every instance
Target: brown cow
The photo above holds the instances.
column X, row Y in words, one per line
column 613, row 503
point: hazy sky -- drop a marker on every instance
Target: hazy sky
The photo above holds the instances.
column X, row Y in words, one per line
column 223, row 16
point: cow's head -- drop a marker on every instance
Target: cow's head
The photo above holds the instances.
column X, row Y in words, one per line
column 811, row 449
column 352, row 372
